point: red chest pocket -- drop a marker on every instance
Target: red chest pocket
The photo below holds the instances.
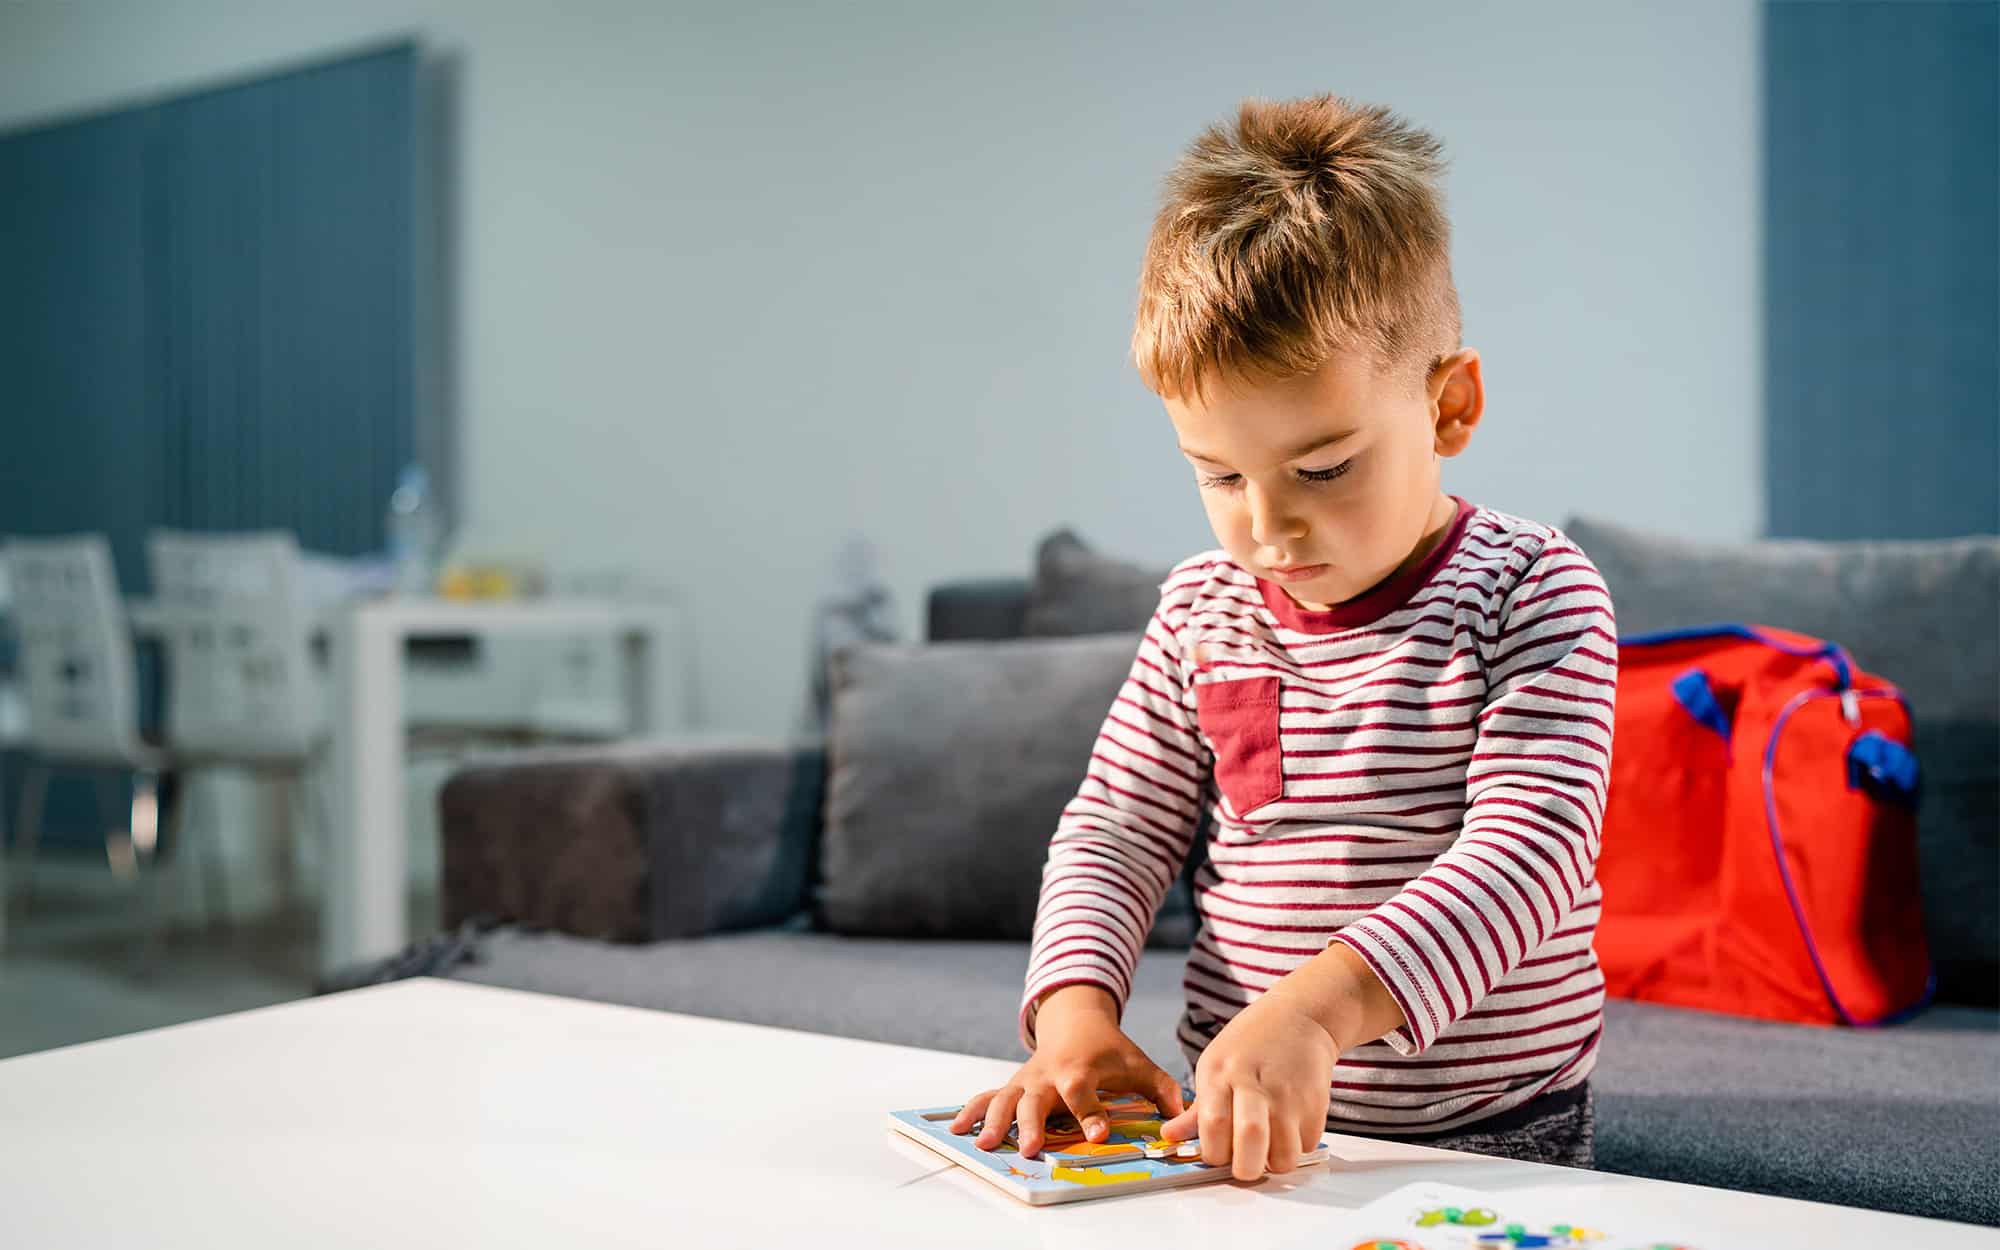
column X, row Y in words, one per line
column 1240, row 718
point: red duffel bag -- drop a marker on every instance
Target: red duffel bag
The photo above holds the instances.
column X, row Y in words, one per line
column 1759, row 848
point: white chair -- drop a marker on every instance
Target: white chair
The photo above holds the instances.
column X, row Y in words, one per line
column 242, row 688
column 79, row 676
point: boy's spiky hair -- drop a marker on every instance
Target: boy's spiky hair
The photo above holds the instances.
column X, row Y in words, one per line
column 1310, row 227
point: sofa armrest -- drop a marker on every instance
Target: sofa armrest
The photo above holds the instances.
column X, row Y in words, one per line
column 634, row 842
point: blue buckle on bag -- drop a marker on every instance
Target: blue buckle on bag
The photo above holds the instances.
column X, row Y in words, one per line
column 1883, row 767
column 1693, row 692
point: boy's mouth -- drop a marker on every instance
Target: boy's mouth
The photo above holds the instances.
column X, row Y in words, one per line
column 1298, row 572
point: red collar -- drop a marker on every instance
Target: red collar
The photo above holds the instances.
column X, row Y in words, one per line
column 1372, row 604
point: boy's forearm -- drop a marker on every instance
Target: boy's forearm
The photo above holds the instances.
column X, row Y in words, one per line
column 1338, row 989
column 1067, row 1004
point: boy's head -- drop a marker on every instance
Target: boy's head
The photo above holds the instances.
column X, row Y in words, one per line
column 1297, row 316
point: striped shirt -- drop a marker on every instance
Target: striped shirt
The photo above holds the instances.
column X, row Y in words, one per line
column 1419, row 773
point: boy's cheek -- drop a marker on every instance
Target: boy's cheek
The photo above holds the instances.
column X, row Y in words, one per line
column 1218, row 516
column 1232, row 533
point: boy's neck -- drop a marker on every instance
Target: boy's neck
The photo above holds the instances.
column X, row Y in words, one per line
column 1444, row 510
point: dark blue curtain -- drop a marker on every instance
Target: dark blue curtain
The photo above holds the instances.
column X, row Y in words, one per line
column 284, row 231
column 208, row 321
column 1882, row 278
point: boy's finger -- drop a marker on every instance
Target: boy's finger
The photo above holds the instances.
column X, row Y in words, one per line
column 999, row 1114
column 1167, row 1093
column 1212, row 1114
column 1251, row 1146
column 1034, row 1109
column 1283, row 1147
column 1314, row 1126
column 1083, row 1104
column 969, row 1114
column 1182, row 1126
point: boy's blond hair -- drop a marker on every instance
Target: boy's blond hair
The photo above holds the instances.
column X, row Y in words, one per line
column 1310, row 227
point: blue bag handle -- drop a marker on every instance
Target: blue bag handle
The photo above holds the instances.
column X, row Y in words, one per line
column 1832, row 652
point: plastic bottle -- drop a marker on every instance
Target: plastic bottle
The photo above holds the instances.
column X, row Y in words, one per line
column 857, row 607
column 413, row 531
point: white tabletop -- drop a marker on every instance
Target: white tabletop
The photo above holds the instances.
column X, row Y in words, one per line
column 433, row 1113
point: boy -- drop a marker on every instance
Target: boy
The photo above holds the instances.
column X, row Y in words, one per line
column 1395, row 706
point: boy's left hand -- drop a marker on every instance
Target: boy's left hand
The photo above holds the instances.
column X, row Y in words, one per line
column 1261, row 1090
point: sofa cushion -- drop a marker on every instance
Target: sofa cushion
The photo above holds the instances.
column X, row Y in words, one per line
column 1078, row 591
column 1898, row 1119
column 1920, row 614
column 948, row 767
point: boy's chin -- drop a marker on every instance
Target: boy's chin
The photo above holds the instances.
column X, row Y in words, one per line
column 1314, row 596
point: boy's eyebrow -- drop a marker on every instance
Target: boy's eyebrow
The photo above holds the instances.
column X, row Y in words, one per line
column 1296, row 452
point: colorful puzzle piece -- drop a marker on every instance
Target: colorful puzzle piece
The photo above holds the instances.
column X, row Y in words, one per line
column 1477, row 1217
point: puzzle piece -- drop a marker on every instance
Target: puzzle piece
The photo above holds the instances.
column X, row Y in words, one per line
column 1477, row 1217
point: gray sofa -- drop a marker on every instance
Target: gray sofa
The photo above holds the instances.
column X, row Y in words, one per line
column 880, row 885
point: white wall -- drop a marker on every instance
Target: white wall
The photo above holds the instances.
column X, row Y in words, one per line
column 738, row 280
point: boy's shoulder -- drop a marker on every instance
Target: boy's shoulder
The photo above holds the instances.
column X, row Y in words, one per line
column 1522, row 544
column 1491, row 532
column 1532, row 571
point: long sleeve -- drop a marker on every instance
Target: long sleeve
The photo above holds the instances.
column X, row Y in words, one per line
column 1121, row 841
column 1535, row 794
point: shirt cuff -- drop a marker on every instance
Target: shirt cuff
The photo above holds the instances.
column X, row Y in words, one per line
column 1031, row 1002
column 1421, row 1019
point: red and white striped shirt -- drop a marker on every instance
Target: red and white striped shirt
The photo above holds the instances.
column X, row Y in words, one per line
column 1419, row 773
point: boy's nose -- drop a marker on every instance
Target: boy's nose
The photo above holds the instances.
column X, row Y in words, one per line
column 1272, row 527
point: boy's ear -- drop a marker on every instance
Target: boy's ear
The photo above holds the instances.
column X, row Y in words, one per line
column 1458, row 399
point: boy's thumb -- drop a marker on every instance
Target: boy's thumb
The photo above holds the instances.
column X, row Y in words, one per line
column 1182, row 1127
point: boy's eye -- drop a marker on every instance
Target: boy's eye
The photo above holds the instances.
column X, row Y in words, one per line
column 1222, row 481
column 1326, row 475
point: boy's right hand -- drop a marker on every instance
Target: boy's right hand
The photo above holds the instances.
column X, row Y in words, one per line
column 1079, row 1050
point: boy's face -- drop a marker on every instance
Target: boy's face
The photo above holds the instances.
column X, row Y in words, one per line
column 1327, row 484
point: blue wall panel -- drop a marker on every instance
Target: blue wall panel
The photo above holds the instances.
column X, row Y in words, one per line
column 1882, row 269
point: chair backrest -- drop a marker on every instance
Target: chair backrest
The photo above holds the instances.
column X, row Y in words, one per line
column 240, row 681
column 76, row 661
